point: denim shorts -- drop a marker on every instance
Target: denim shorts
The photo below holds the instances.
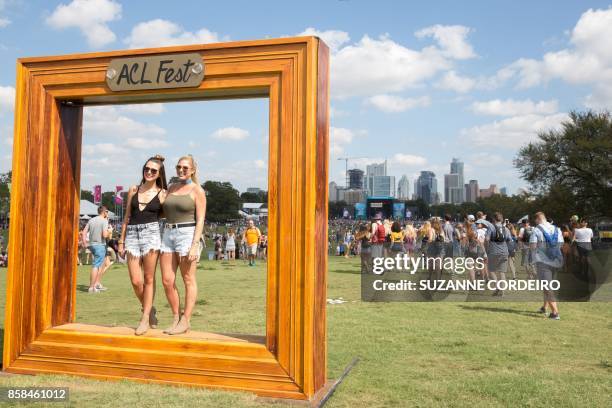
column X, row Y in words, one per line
column 99, row 253
column 140, row 239
column 178, row 240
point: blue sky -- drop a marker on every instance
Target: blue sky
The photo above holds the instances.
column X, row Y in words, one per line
column 413, row 82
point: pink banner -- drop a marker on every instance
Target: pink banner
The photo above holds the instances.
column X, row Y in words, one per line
column 118, row 198
column 97, row 193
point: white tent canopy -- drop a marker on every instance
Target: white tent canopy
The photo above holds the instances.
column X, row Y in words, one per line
column 87, row 208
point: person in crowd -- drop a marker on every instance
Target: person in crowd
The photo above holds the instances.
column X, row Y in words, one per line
column 425, row 237
column 348, row 240
column 95, row 234
column 512, row 248
column 218, row 248
column 546, row 241
column 397, row 238
column 378, row 236
column 185, row 211
column 410, row 235
column 251, row 236
column 3, row 258
column 449, row 236
column 524, row 237
column 459, row 240
column 566, row 248
column 481, row 234
column 263, row 247
column 436, row 249
column 582, row 239
column 230, row 244
column 363, row 236
column 497, row 250
column 474, row 249
column 140, row 236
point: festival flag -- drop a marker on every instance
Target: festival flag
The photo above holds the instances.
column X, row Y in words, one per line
column 97, row 194
column 118, row 198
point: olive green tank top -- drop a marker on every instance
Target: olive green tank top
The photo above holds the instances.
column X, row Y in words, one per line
column 179, row 208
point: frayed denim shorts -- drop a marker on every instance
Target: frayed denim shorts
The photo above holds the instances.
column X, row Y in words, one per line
column 140, row 239
column 178, row 240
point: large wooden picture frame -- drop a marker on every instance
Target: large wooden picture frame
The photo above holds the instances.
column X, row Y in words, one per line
column 40, row 333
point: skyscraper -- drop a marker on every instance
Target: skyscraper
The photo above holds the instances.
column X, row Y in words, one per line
column 355, row 179
column 472, row 193
column 427, row 187
column 403, row 188
column 378, row 184
column 454, row 189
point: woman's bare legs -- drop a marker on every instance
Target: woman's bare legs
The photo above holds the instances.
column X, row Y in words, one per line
column 169, row 264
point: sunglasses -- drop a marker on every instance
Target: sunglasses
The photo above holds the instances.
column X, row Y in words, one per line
column 183, row 168
column 150, row 170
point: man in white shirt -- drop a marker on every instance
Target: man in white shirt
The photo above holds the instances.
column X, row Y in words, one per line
column 545, row 242
column 524, row 236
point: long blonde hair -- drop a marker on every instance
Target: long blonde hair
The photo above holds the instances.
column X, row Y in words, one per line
column 194, row 166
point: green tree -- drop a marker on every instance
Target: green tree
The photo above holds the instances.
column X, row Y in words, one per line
column 336, row 208
column 574, row 160
column 222, row 201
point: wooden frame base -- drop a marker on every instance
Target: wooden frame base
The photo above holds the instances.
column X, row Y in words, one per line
column 39, row 337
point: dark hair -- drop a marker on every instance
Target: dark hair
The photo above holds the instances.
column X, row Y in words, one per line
column 396, row 227
column 101, row 209
column 498, row 217
column 161, row 176
column 447, row 217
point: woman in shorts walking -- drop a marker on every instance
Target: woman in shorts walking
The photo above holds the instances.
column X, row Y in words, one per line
column 141, row 237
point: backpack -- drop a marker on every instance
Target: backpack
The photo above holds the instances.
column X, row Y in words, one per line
column 527, row 234
column 380, row 234
column 498, row 234
column 552, row 250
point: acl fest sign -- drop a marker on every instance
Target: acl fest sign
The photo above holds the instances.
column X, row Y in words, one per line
column 155, row 72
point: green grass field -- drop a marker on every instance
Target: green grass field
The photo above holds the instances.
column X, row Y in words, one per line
column 411, row 354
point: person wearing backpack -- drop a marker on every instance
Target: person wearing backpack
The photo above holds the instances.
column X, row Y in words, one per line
column 379, row 236
column 546, row 241
column 498, row 238
column 524, row 236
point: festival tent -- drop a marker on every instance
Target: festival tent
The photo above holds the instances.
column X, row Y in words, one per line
column 89, row 209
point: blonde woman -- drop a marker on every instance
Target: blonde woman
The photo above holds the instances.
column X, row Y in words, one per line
column 141, row 237
column 185, row 210
column 425, row 236
column 410, row 235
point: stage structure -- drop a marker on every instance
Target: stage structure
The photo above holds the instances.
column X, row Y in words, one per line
column 40, row 333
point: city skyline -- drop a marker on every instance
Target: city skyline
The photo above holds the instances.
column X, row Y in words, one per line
column 459, row 80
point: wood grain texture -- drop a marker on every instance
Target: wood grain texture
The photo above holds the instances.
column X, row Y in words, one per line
column 39, row 335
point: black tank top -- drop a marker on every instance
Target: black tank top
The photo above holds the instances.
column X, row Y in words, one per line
column 150, row 213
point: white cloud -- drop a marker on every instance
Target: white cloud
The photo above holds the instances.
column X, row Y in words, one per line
column 454, row 82
column 486, row 159
column 144, row 108
column 4, row 22
column 336, row 113
column 587, row 60
column 145, row 143
column 105, row 121
column 103, row 149
column 260, row 164
column 7, row 98
column 512, row 132
column 408, row 160
column 393, row 104
column 511, row 107
column 333, row 38
column 90, row 16
column 339, row 137
column 230, row 133
column 374, row 66
column 452, row 40
column 160, row 33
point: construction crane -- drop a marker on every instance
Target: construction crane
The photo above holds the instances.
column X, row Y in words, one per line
column 346, row 160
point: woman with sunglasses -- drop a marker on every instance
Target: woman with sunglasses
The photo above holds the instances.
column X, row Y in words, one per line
column 185, row 210
column 141, row 237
